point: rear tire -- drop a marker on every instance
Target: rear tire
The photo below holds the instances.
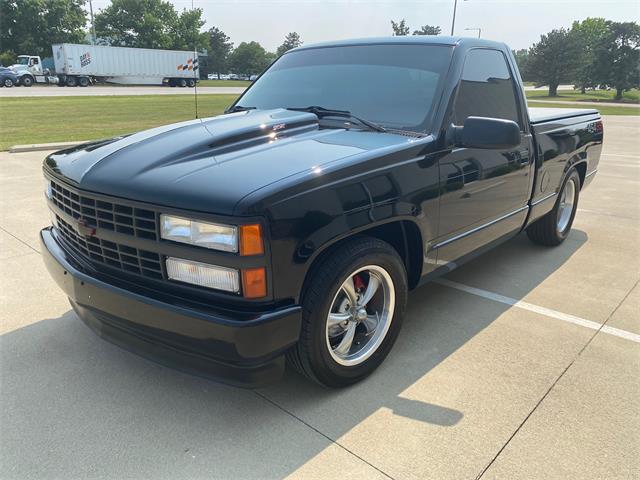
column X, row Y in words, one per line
column 554, row 227
column 83, row 82
column 191, row 82
column 7, row 83
column 182, row 82
column 340, row 287
column 72, row 82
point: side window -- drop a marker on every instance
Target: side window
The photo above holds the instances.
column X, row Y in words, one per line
column 486, row 88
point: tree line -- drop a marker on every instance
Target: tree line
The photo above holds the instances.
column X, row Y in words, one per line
column 594, row 53
column 32, row 26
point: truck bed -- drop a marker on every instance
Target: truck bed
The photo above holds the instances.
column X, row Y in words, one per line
column 542, row 115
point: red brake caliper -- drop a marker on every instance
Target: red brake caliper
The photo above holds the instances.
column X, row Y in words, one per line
column 358, row 283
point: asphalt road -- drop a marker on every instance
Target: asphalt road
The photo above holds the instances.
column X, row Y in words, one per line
column 54, row 91
column 503, row 370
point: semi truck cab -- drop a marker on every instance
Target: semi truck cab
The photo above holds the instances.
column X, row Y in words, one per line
column 30, row 70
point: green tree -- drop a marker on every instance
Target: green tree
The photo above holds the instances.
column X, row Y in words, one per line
column 591, row 35
column 554, row 59
column 400, row 29
column 31, row 26
column 248, row 58
column 428, row 30
column 220, row 47
column 187, row 35
column 619, row 59
column 150, row 24
column 292, row 40
column 522, row 58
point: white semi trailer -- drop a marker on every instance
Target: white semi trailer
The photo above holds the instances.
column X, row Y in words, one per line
column 82, row 65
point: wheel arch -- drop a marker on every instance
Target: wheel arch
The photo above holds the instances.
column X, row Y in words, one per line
column 581, row 168
column 402, row 234
column 579, row 162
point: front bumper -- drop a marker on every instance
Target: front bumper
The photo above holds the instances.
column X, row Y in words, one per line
column 247, row 353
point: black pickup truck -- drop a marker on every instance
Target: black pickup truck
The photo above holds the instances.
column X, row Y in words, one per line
column 294, row 225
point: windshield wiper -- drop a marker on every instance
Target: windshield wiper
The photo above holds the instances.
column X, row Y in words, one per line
column 321, row 112
column 238, row 108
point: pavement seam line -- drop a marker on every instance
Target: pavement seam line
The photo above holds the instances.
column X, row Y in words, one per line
column 595, row 212
column 264, row 397
column 547, row 312
column 584, row 347
column 19, row 239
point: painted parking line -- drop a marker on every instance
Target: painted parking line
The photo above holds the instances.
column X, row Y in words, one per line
column 624, row 155
column 565, row 317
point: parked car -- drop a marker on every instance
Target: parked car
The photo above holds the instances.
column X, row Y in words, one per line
column 296, row 225
column 8, row 78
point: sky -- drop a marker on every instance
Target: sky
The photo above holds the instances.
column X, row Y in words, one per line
column 519, row 23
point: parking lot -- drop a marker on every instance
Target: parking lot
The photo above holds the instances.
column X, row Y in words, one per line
column 524, row 363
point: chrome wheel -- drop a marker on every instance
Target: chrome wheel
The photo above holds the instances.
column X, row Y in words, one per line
column 567, row 201
column 360, row 315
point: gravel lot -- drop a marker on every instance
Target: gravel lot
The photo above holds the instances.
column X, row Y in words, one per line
column 502, row 370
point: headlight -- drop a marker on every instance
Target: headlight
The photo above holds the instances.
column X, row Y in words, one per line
column 198, row 233
column 204, row 275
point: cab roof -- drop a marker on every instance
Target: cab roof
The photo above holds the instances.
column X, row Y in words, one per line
column 407, row 40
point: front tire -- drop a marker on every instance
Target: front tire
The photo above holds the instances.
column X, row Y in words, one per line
column 353, row 307
column 26, row 81
column 553, row 228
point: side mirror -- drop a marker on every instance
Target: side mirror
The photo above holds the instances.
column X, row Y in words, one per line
column 490, row 133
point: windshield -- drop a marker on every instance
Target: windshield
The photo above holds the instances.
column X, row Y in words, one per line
column 392, row 85
column 23, row 60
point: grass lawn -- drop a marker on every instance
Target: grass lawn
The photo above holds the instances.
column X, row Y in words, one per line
column 631, row 96
column 603, row 109
column 224, row 83
column 63, row 119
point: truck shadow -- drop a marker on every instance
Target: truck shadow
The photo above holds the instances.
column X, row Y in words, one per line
column 67, row 395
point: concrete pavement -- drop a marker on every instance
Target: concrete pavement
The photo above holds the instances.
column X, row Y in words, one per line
column 474, row 387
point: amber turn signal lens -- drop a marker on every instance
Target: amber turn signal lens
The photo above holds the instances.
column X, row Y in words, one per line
column 251, row 240
column 254, row 282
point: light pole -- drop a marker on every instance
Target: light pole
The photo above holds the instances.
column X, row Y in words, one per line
column 453, row 22
column 93, row 26
column 478, row 29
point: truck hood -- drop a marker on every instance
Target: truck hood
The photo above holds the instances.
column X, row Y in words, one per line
column 210, row 164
